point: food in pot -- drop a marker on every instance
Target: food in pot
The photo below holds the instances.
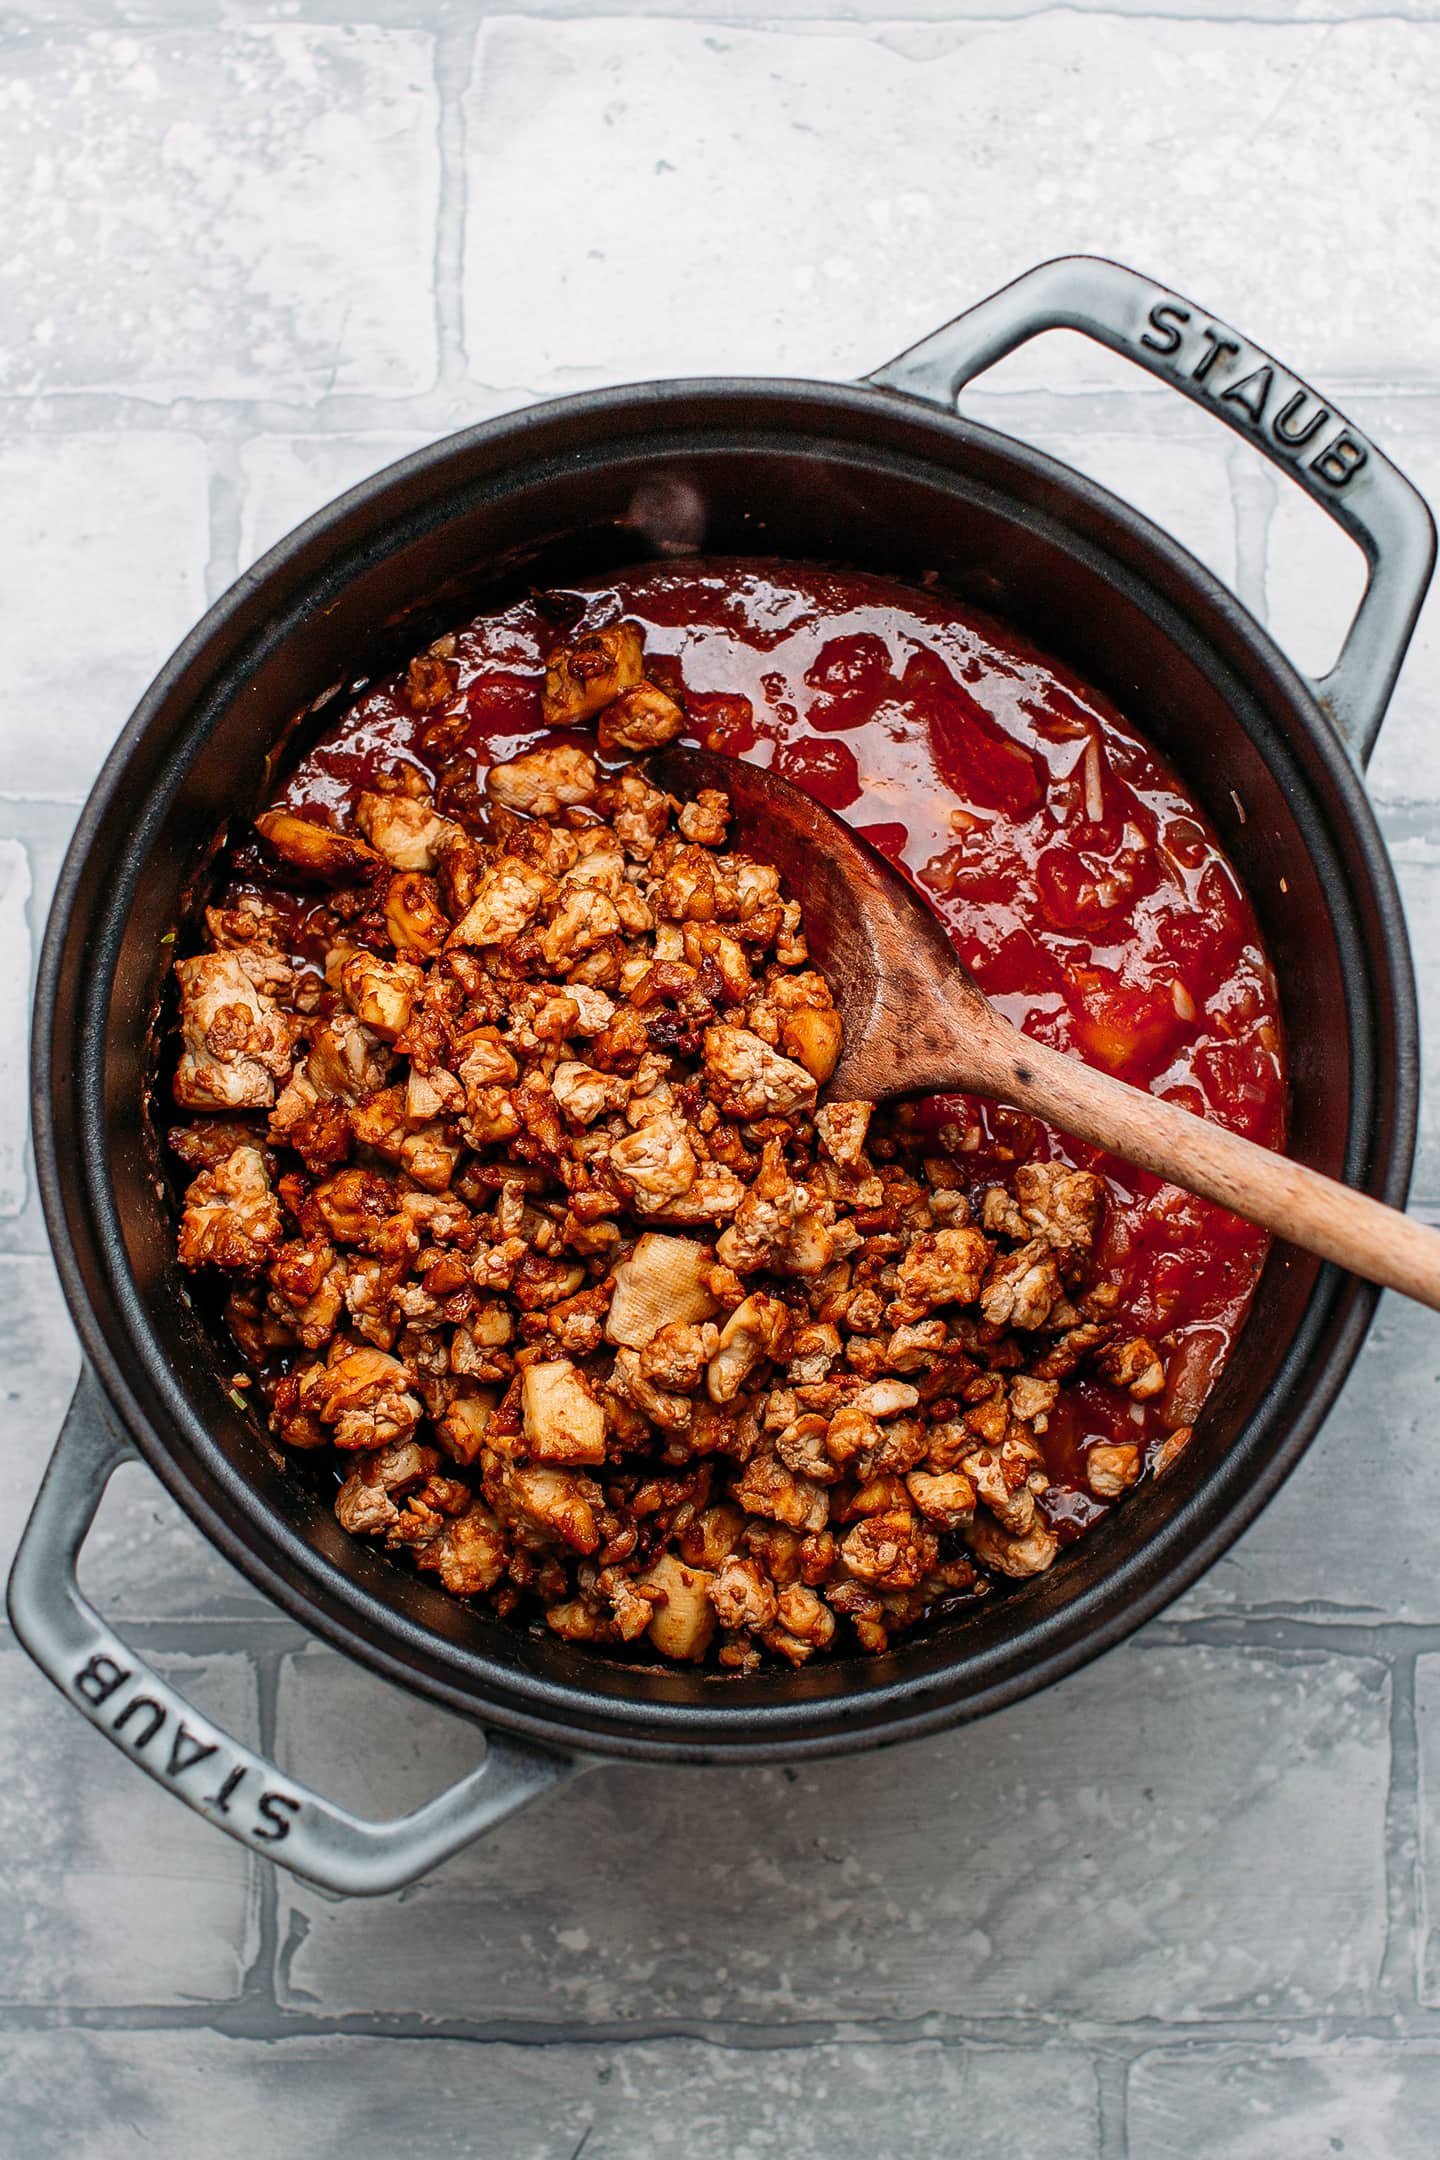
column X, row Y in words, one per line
column 506, row 1070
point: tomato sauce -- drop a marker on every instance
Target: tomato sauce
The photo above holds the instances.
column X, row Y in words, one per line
column 1079, row 881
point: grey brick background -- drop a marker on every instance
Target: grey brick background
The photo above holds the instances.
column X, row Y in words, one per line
column 1183, row 1906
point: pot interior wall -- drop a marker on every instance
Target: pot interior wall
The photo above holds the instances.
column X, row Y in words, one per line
column 360, row 588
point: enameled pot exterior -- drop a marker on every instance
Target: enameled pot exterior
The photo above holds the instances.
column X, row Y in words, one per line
column 886, row 476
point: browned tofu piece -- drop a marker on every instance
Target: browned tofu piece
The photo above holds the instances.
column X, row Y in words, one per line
column 583, row 678
column 563, row 1423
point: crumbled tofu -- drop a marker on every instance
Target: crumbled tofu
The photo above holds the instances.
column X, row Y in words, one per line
column 841, row 1129
column 317, row 851
column 1061, row 1205
column 586, row 918
column 769, row 1487
column 1029, row 1554
column 942, row 1267
column 754, row 1331
column 543, row 781
column 1111, row 1470
column 1021, row 1288
column 585, row 1094
column 560, row 1503
column 893, row 1550
column 563, row 1421
column 664, row 1280
column 508, row 897
column 677, row 1354
column 1135, row 1365
column 946, row 1499
column 742, row 1596
column 655, row 1164
column 365, row 1394
column 381, row 993
column 684, row 1618
column 747, row 1079
column 583, row 678
column 404, row 831
column 231, row 1218
column 237, row 1040
column 639, row 719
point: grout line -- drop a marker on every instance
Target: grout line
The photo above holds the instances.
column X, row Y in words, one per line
column 1292, row 1634
column 287, row 1992
column 227, row 494
column 1424, row 1805
column 257, row 1988
column 456, row 34
column 842, row 17
column 1255, row 496
column 1404, row 1884
column 1122, row 2043
column 435, row 410
column 1112, row 2099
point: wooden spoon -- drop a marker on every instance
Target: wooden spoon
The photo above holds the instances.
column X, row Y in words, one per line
column 918, row 1023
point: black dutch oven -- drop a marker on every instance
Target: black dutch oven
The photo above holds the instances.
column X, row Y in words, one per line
column 881, row 475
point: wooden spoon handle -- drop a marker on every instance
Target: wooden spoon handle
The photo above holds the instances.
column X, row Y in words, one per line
column 1298, row 1204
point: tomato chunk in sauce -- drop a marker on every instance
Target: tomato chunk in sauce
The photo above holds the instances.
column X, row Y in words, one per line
column 1079, row 880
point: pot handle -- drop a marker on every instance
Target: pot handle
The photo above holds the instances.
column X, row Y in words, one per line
column 220, row 1777
column 1264, row 402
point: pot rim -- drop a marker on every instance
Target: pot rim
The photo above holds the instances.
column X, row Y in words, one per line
column 1097, row 1616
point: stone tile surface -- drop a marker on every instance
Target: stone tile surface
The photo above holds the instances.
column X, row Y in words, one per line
column 99, row 2096
column 892, row 175
column 103, row 552
column 286, row 478
column 1366, row 2102
column 37, row 833
column 1350, row 1538
column 111, row 1893
column 39, row 1361
column 1417, row 870
column 1427, row 1703
column 250, row 211
column 1045, row 1862
column 17, row 892
column 1309, row 599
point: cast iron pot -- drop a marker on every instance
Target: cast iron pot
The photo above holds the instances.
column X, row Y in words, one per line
column 882, row 475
